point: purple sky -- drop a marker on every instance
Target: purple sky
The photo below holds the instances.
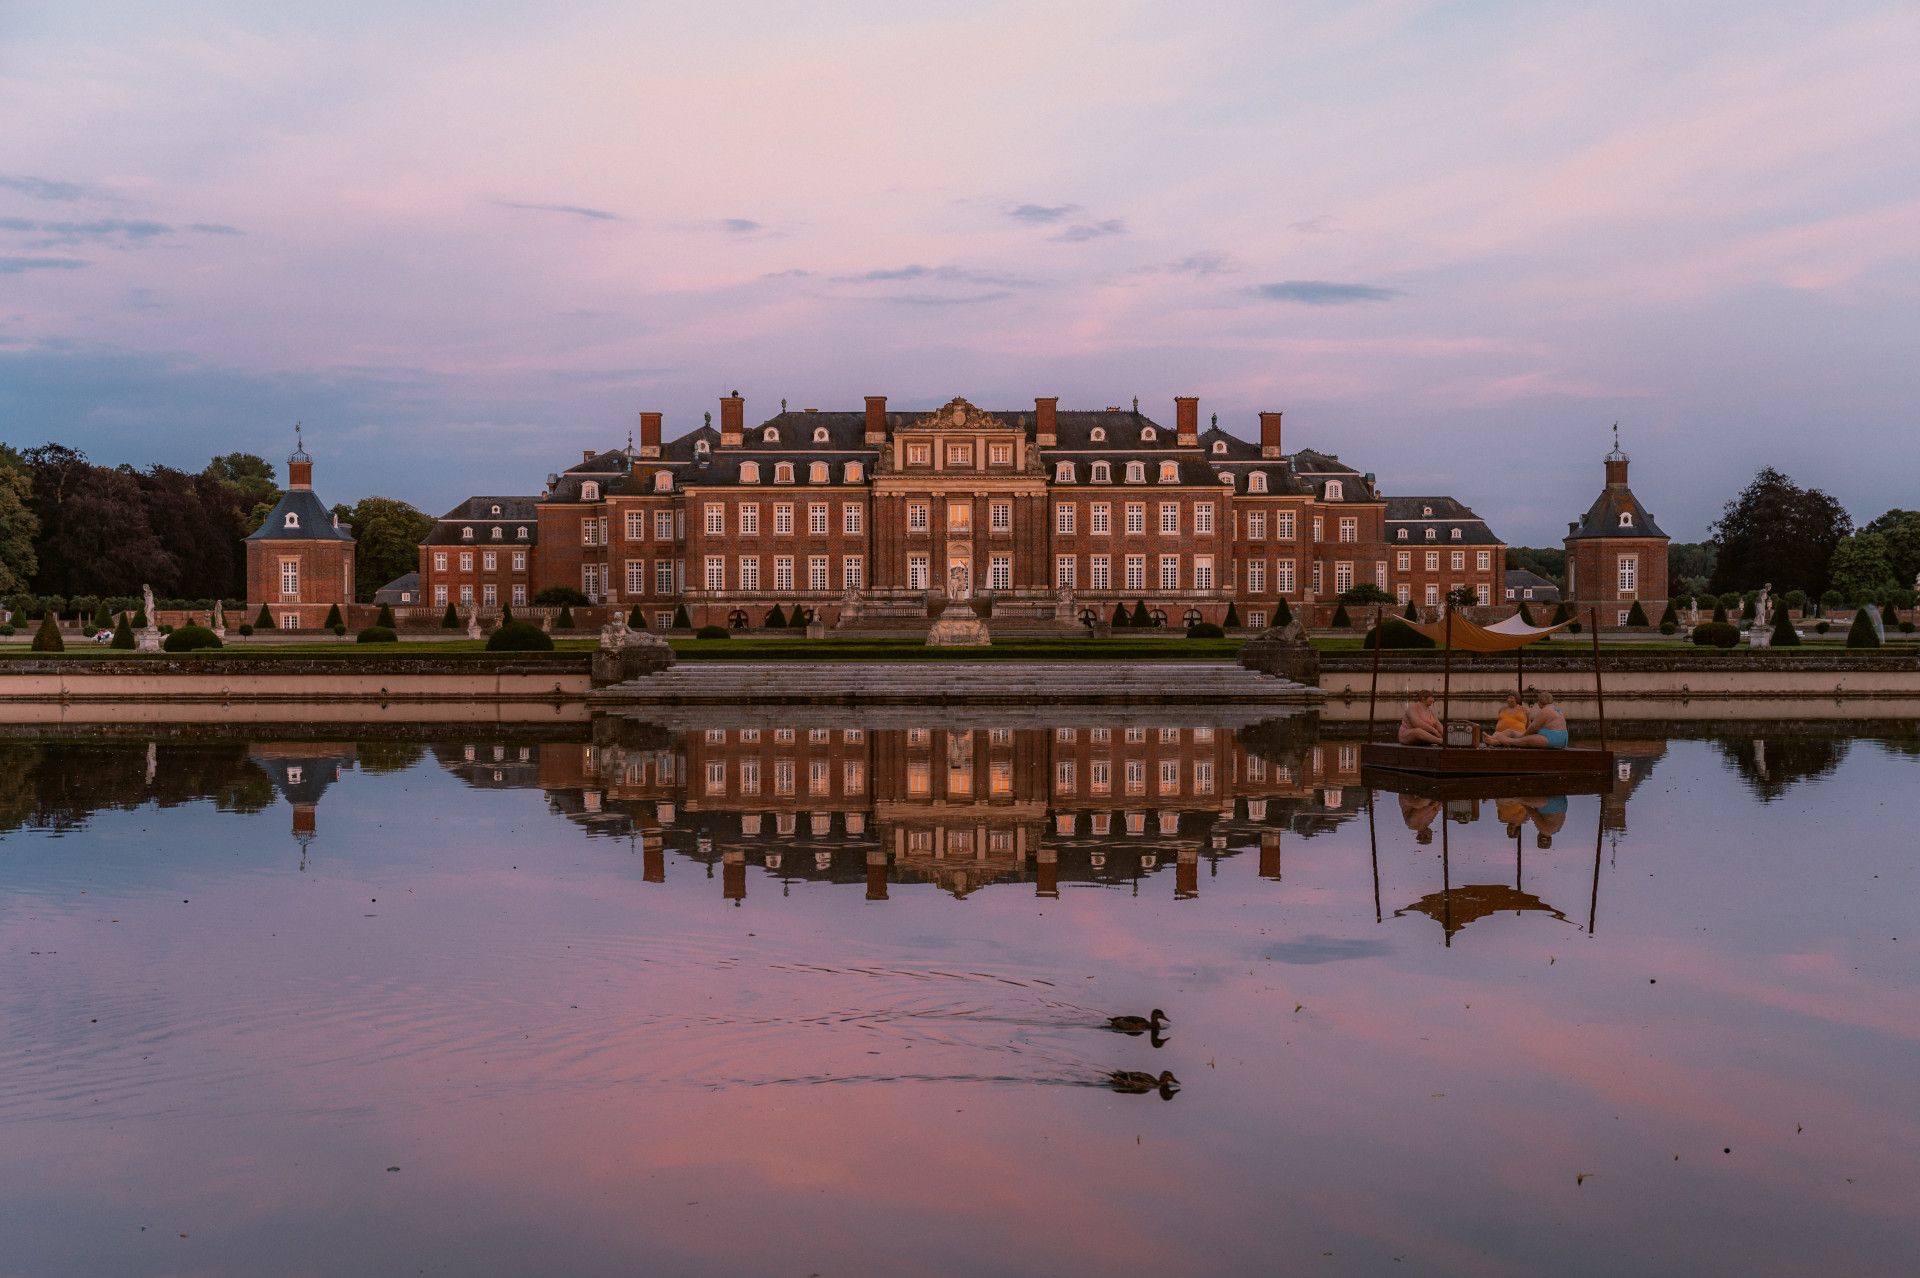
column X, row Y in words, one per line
column 1454, row 243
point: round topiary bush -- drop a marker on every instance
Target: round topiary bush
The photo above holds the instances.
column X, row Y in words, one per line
column 7, row 631
column 519, row 636
column 1821, row 628
column 377, row 634
column 1716, row 634
column 1906, row 627
column 1669, row 627
column 246, row 630
column 1205, row 630
column 713, row 632
column 191, row 639
column 338, row 631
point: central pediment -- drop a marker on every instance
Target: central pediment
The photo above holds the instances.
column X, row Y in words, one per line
column 959, row 414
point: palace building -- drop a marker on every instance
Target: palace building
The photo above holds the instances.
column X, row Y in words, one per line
column 300, row 561
column 1058, row 515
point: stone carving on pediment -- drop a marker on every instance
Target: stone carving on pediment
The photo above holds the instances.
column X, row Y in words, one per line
column 958, row 414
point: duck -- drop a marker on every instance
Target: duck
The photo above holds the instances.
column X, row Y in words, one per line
column 1137, row 1024
column 1134, row 1082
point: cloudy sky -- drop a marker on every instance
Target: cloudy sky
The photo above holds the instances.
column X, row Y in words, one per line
column 1455, row 242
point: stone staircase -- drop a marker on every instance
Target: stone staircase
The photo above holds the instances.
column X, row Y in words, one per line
column 958, row 682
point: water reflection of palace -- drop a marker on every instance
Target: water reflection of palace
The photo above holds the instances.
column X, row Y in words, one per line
column 958, row 807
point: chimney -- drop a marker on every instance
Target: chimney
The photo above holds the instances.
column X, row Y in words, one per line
column 733, row 420
column 586, row 454
column 1186, row 416
column 876, row 420
column 1270, row 435
column 649, row 434
column 1046, row 430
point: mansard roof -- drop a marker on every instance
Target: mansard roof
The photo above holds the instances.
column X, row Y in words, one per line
column 722, row 467
column 1237, row 449
column 1410, row 514
column 1603, row 517
column 477, row 514
column 482, row 508
column 796, row 430
column 312, row 520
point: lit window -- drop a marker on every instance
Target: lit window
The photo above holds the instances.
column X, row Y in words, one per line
column 851, row 473
column 663, row 481
column 1257, row 482
column 959, row 516
column 1335, row 490
column 783, row 473
column 817, row 473
column 1169, row 472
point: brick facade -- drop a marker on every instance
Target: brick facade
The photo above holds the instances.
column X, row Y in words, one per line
column 300, row 560
column 1616, row 554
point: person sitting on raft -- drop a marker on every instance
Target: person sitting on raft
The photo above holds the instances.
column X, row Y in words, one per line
column 1546, row 726
column 1512, row 723
column 1420, row 725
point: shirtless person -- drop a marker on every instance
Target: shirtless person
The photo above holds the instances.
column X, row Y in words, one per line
column 1546, row 726
column 1420, row 725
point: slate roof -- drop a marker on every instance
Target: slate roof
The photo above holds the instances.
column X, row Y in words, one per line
column 314, row 519
column 1603, row 517
column 477, row 513
column 407, row 583
column 723, row 468
column 1410, row 513
column 1519, row 580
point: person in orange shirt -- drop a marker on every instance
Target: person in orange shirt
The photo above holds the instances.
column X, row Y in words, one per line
column 1512, row 723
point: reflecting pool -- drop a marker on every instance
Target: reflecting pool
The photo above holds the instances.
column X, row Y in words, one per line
column 808, row 992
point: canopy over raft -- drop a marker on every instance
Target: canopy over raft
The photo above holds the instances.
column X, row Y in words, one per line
column 1462, row 635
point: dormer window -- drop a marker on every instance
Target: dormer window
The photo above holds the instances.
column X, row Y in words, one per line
column 1098, row 435
column 496, row 510
column 466, row 534
column 1456, row 534
column 1102, row 473
column 819, row 434
column 749, row 472
column 293, row 520
column 701, row 447
column 1403, row 534
column 1169, row 472
column 1335, row 490
column 1148, row 434
column 1063, row 473
column 817, row 473
column 521, row 532
column 1136, row 472
column 1432, row 535
column 771, row 435
column 1257, row 482
column 590, row 491
column 1226, row 477
column 497, row 534
column 1426, row 511
column 1219, row 448
column 783, row 473
column 663, row 481
column 1626, row 519
column 851, row 473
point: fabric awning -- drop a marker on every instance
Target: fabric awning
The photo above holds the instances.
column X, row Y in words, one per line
column 1502, row 636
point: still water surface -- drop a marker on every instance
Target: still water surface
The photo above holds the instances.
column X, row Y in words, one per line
column 810, row 997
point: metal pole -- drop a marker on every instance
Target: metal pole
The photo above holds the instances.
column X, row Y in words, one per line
column 1599, row 838
column 1446, row 677
column 1373, row 690
column 1373, row 848
column 1599, row 692
column 1446, row 880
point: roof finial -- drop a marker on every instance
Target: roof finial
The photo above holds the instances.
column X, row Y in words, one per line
column 1136, row 404
column 299, row 447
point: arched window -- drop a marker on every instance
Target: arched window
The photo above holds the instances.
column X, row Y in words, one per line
column 1098, row 435
column 1063, row 473
column 1257, row 482
column 771, row 435
column 497, row 533
column 663, row 481
column 1626, row 519
column 851, row 473
column 749, row 472
column 783, row 472
column 1169, row 472
column 1431, row 534
column 819, row 434
column 817, row 473
column 1219, row 448
column 466, row 534
column 702, row 447
column 1148, row 434
column 1102, row 473
column 496, row 510
column 1226, row 477
column 1456, row 534
column 590, row 491
column 1335, row 490
column 1403, row 534
column 293, row 520
column 1136, row 472
column 521, row 532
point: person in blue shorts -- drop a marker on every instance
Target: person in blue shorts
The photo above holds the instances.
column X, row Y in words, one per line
column 1546, row 726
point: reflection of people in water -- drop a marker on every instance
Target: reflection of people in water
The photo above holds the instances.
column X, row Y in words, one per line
column 1548, row 816
column 1511, row 813
column 1420, row 725
column 1546, row 726
column 1419, row 813
column 1511, row 726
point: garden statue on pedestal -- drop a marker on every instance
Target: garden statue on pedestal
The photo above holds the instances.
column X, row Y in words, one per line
column 220, row 618
column 1760, row 633
column 473, row 621
column 147, row 638
column 625, row 653
column 958, row 628
column 1693, row 614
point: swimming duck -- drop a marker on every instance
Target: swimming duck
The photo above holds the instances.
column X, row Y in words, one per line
column 1137, row 1024
column 1135, row 1083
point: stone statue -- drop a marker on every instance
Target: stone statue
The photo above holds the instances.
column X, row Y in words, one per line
column 220, row 617
column 473, row 621
column 958, row 588
column 146, row 602
column 1693, row 612
column 1763, row 607
column 148, row 637
column 1063, row 603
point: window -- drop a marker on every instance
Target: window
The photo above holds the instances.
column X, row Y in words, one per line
column 999, row 454
column 1169, row 776
column 1402, row 592
column 1403, row 560
column 1256, row 620
column 1102, row 473
column 1257, row 482
column 783, row 573
column 749, row 572
column 663, row 525
column 466, row 561
column 1350, row 529
column 1136, row 572
column 917, row 454
column 1148, row 434
column 1097, row 573
column 636, row 526
column 519, row 594
column 466, row 534
column 817, row 473
column 496, row 532
column 851, row 473
column 1063, row 473
column 1433, row 595
column 1136, row 517
column 1136, row 472
column 590, row 491
column 439, row 595
column 289, row 621
column 717, row 777
column 663, row 576
column 636, row 579
column 749, row 472
column 782, row 519
column 1319, row 528
column 1063, row 517
column 852, row 517
column 1256, row 525
column 783, row 472
column 853, row 777
column 490, row 560
column 783, row 776
column 439, row 561
column 1219, row 448
column 1063, row 776
column 1203, row 572
column 771, row 435
column 819, row 434
column 1629, row 572
column 1457, row 561
column 959, row 516
column 1480, row 594
column 716, row 519
column 916, row 516
column 1626, row 519
column 959, row 454
column 1483, row 560
column 1136, row 776
column 1283, row 525
column 1203, row 517
column 1455, row 534
column 1000, row 572
column 1063, row 572
column 489, row 594
column 1257, row 577
column 1000, row 517
column 1098, row 434
column 521, row 532
column 817, row 519
column 1343, row 577
column 1335, row 490
column 466, row 594
column 1433, row 561
column 853, row 570
column 289, row 578
column 749, row 776
column 916, row 572
column 1169, row 517
column 1380, row 574
column 1098, row 518
column 817, row 573
column 1169, row 572
column 1431, row 534
column 1169, row 472
column 663, row 481
column 749, row 516
column 1403, row 534
column 1283, row 577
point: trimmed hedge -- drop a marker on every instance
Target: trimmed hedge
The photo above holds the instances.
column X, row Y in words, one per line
column 713, row 632
column 123, row 634
column 1205, row 630
column 1860, row 634
column 47, row 638
column 1716, row 634
column 449, row 620
column 377, row 634
column 519, row 636
column 191, row 639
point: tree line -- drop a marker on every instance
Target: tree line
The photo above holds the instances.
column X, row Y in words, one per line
column 76, row 536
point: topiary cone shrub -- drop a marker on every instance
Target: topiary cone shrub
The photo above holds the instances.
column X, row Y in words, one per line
column 1637, row 616
column 263, row 620
column 1282, row 615
column 1670, row 615
column 190, row 639
column 1784, row 635
column 47, row 638
column 122, row 635
column 1232, row 619
column 333, row 621
column 1410, row 613
column 1719, row 613
column 1340, row 619
column 565, row 620
column 1859, row 635
column 1120, row 616
column 449, row 620
column 519, row 636
column 1141, row 617
column 636, row 620
column 775, row 619
column 1525, row 615
column 386, row 617
column 680, row 619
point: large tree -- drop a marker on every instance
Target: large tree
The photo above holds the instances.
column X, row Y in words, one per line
column 252, row 476
column 1549, row 562
column 200, row 520
column 1901, row 528
column 1775, row 531
column 387, row 535
column 19, row 525
column 1862, row 570
column 1689, row 568
column 94, row 533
